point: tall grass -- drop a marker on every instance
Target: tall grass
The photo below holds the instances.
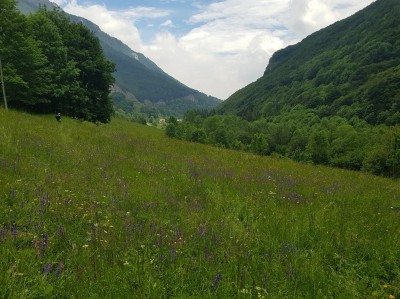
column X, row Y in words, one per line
column 120, row 211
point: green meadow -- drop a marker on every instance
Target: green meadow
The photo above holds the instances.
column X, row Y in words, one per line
column 122, row 211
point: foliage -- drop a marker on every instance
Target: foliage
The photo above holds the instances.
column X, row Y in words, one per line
column 302, row 135
column 53, row 65
column 119, row 210
column 139, row 82
column 350, row 69
column 331, row 99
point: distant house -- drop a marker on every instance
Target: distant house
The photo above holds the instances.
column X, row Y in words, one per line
column 162, row 121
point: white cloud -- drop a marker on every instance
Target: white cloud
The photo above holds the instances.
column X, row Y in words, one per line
column 141, row 12
column 231, row 40
column 168, row 23
column 59, row 2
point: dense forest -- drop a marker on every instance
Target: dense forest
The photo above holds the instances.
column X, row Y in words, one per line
column 53, row 65
column 300, row 134
column 332, row 99
column 349, row 69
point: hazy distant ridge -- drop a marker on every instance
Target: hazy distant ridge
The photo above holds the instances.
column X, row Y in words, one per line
column 138, row 79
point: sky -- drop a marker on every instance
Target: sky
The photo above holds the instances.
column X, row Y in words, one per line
column 214, row 46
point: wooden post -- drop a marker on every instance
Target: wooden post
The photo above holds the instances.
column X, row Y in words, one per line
column 2, row 85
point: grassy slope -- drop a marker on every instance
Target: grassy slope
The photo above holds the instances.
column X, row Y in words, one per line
column 120, row 211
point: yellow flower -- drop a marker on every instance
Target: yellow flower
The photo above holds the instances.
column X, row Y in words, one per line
column 385, row 286
column 391, row 296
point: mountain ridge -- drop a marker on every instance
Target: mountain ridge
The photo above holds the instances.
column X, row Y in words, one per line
column 332, row 99
column 339, row 69
column 139, row 81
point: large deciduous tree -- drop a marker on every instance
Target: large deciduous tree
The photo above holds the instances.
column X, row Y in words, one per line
column 54, row 65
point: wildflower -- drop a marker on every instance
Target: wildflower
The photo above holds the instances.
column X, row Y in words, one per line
column 216, row 281
column 294, row 197
column 61, row 230
column 47, row 268
column 392, row 296
column 60, row 268
column 201, row 231
column 13, row 231
column 385, row 286
column 3, row 233
column 173, row 251
column 85, row 246
column 44, row 244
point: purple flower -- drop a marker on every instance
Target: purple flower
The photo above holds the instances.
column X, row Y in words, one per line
column 61, row 230
column 43, row 245
column 201, row 231
column 288, row 248
column 59, row 269
column 215, row 238
column 47, row 268
column 248, row 254
column 152, row 227
column 216, row 281
column 94, row 230
column 173, row 252
column 295, row 197
column 13, row 231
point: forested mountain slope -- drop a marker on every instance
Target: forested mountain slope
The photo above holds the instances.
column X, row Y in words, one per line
column 140, row 84
column 332, row 99
column 138, row 76
column 349, row 69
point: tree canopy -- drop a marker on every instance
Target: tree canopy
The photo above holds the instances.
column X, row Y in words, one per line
column 53, row 65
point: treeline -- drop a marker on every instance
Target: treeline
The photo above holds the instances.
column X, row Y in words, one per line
column 53, row 65
column 300, row 134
